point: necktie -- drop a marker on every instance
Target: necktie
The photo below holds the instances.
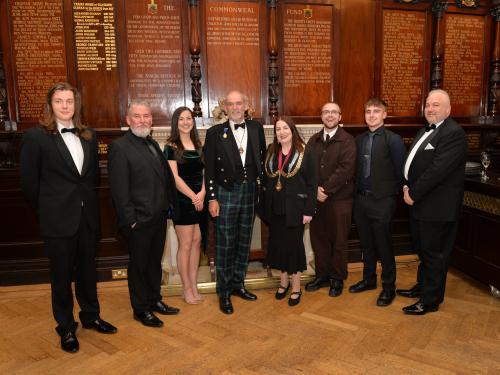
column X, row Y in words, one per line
column 327, row 138
column 68, row 130
column 368, row 155
column 430, row 127
column 242, row 125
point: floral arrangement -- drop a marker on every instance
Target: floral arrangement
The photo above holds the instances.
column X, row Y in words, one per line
column 219, row 112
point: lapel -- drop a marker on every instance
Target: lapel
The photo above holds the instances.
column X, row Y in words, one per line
column 253, row 139
column 146, row 154
column 65, row 154
column 229, row 143
column 429, row 138
column 86, row 155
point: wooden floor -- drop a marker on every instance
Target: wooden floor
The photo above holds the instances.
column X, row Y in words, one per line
column 322, row 335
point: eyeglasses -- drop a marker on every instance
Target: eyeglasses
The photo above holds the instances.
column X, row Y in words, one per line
column 332, row 112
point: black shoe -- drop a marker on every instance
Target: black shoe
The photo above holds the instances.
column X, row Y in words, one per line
column 413, row 292
column 281, row 295
column 317, row 283
column 362, row 285
column 294, row 301
column 245, row 294
column 162, row 308
column 69, row 342
column 148, row 319
column 225, row 305
column 419, row 308
column 100, row 326
column 386, row 297
column 336, row 287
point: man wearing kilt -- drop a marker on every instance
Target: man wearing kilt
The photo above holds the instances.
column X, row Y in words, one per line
column 233, row 155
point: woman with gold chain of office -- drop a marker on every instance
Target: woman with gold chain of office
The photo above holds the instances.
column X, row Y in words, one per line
column 290, row 200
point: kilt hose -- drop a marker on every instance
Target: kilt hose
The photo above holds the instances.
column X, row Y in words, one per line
column 233, row 235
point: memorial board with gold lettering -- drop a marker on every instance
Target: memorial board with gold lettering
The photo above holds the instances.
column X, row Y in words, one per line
column 154, row 55
column 307, row 58
column 233, row 51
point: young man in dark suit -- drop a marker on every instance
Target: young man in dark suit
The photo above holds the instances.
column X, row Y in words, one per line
column 143, row 190
column 234, row 154
column 59, row 173
column 379, row 178
column 435, row 172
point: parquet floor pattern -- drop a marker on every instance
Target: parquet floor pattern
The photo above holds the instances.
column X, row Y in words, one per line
column 322, row 335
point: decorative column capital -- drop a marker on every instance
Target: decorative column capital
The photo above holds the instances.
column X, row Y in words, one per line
column 495, row 12
column 272, row 3
column 438, row 8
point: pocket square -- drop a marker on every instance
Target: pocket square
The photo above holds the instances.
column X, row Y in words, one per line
column 429, row 147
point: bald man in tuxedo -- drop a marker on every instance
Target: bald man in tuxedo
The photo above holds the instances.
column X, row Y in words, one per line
column 434, row 173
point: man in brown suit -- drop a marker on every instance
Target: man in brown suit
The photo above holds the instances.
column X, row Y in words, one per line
column 335, row 151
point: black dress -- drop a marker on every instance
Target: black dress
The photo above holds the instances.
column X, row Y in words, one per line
column 191, row 171
column 286, row 251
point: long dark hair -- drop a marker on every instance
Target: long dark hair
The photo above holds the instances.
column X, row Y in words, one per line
column 175, row 139
column 297, row 141
column 49, row 121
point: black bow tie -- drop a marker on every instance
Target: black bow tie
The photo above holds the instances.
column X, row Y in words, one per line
column 68, row 130
column 430, row 127
column 242, row 125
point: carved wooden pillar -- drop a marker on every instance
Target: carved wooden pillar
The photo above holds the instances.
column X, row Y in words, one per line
column 3, row 94
column 494, row 88
column 194, row 49
column 272, row 48
column 438, row 10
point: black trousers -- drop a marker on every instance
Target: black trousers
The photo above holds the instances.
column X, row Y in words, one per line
column 70, row 256
column 373, row 219
column 433, row 241
column 145, row 244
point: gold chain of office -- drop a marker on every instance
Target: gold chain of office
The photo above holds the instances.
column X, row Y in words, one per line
column 292, row 173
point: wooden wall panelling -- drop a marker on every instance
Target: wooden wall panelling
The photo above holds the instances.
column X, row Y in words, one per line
column 356, row 58
column 438, row 10
column 272, row 50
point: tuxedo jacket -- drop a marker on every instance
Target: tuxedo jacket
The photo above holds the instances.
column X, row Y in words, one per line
column 220, row 150
column 142, row 184
column 53, row 185
column 437, row 172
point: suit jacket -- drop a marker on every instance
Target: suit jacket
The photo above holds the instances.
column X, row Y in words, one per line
column 300, row 191
column 53, row 185
column 142, row 185
column 220, row 166
column 336, row 162
column 437, row 172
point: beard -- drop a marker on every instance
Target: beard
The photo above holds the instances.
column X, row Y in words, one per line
column 142, row 132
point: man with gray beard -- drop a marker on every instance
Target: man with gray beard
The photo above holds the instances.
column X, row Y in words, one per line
column 144, row 195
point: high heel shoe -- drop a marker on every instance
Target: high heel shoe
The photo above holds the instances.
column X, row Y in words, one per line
column 294, row 301
column 280, row 295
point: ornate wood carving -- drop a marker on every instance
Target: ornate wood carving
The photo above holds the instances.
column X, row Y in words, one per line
column 272, row 48
column 3, row 94
column 494, row 88
column 438, row 10
column 194, row 49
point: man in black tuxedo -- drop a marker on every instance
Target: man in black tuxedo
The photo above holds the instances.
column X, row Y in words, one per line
column 59, row 173
column 234, row 154
column 143, row 190
column 435, row 172
column 379, row 178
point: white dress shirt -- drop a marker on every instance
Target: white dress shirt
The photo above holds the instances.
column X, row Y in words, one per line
column 330, row 132
column 241, row 137
column 417, row 146
column 74, row 146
